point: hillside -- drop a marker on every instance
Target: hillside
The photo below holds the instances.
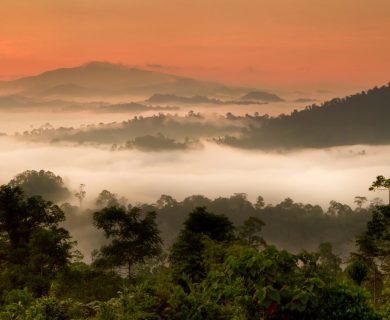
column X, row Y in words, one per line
column 362, row 118
column 171, row 98
column 103, row 78
column 262, row 96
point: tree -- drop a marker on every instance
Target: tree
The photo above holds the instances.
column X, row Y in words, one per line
column 260, row 203
column 33, row 246
column 376, row 202
column 186, row 254
column 374, row 246
column 166, row 201
column 133, row 236
column 109, row 199
column 42, row 183
column 328, row 260
column 357, row 270
column 270, row 284
column 249, row 232
column 381, row 183
column 80, row 195
column 86, row 283
column 360, row 201
column 216, row 227
column 337, row 208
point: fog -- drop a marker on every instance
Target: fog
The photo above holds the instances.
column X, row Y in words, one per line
column 16, row 119
column 308, row 176
column 11, row 122
column 311, row 156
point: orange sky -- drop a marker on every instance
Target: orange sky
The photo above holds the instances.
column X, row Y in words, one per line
column 258, row 42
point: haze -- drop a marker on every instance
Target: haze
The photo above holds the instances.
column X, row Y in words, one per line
column 308, row 176
column 289, row 43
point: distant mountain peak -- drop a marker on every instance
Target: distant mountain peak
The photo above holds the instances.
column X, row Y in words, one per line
column 97, row 78
column 262, row 96
column 104, row 65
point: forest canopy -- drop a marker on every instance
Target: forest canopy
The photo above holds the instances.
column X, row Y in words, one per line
column 222, row 263
column 356, row 119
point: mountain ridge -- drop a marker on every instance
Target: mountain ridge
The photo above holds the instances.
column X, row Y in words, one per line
column 116, row 79
column 362, row 118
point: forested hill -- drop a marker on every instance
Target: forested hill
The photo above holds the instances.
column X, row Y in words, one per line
column 362, row 118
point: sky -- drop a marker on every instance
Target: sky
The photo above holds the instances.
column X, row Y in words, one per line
column 290, row 43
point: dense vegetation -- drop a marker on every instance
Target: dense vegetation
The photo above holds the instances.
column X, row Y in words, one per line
column 288, row 225
column 172, row 98
column 356, row 119
column 193, row 126
column 215, row 268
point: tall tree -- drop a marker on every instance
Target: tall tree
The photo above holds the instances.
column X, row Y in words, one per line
column 260, row 203
column 381, row 183
column 186, row 254
column 43, row 183
column 360, row 201
column 133, row 236
column 374, row 246
column 33, row 246
column 109, row 199
column 250, row 232
column 329, row 260
column 81, row 194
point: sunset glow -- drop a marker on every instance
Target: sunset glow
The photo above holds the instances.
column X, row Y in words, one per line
column 256, row 42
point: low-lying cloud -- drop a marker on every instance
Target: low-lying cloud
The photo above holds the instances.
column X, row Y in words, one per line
column 315, row 176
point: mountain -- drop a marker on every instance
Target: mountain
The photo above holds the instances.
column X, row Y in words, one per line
column 262, row 96
column 172, row 98
column 103, row 78
column 72, row 90
column 132, row 107
column 15, row 102
column 363, row 118
column 25, row 104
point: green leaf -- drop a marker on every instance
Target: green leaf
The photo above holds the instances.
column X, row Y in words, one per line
column 261, row 294
column 273, row 294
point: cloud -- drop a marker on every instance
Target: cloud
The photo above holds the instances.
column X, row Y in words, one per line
column 315, row 176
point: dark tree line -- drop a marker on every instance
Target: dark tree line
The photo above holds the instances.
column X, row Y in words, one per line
column 212, row 270
column 357, row 119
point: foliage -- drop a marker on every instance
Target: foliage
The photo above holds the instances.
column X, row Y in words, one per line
column 214, row 270
column 133, row 237
column 42, row 183
column 374, row 248
column 358, row 270
column 186, row 255
column 320, row 126
column 380, row 182
column 289, row 225
column 249, row 232
column 86, row 283
column 33, row 246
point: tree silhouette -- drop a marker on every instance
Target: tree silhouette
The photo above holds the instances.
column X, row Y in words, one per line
column 360, row 201
column 81, row 194
column 42, row 183
column 33, row 247
column 250, row 232
column 381, row 183
column 187, row 252
column 133, row 236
